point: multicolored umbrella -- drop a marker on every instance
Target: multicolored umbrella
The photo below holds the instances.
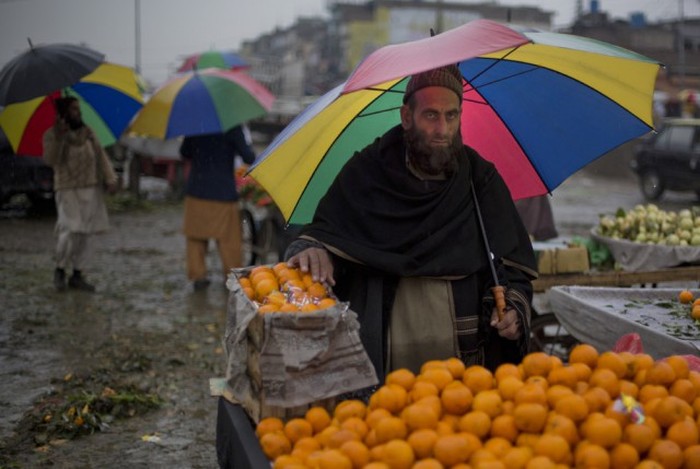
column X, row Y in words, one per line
column 213, row 59
column 109, row 97
column 539, row 105
column 44, row 69
column 202, row 102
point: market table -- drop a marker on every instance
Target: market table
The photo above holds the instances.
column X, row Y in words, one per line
column 600, row 316
column 618, row 278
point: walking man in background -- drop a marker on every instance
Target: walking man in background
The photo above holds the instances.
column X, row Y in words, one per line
column 211, row 200
column 81, row 171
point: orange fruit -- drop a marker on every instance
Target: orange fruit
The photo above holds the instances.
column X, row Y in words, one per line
column 356, row 452
column 640, row 436
column 670, row 410
column 695, row 312
column 649, row 464
column 308, row 444
column 661, row 373
column 419, row 416
column 679, row 365
column 264, row 287
column 308, row 308
column 563, row 426
column 432, row 402
column 261, row 275
column 537, row 364
column 326, row 303
column 398, row 454
column 591, row 456
column 428, row 463
column 422, row 442
column 245, row 282
column 375, row 415
column 337, row 438
column 530, row 417
column 268, row 425
column 456, row 398
column 483, row 458
column 554, row 447
column 477, row 378
column 433, row 364
column 604, row 432
column 268, row 309
column 606, row 379
column 421, row 389
column 508, row 369
column 597, row 399
column 390, row 428
column 614, row 362
column 504, row 427
column 489, row 402
column 584, row 353
column 476, row 422
column 334, row 459
column 685, row 297
column 624, row 456
column 403, row 377
column 691, row 456
column 357, row 425
column 249, row 292
column 684, row 389
column 297, row 428
column 317, row 290
column 540, row 462
column 509, row 386
column 287, row 461
column 498, row 446
column 667, row 453
column 628, row 388
column 563, row 375
column 377, row 465
column 572, row 406
column 275, row 444
column 517, row 457
column 289, row 308
column 531, row 393
column 260, row 268
column 651, row 391
column 440, row 377
column 456, row 448
column 391, row 397
column 683, row 433
column 556, row 392
column 455, row 366
column 350, row 408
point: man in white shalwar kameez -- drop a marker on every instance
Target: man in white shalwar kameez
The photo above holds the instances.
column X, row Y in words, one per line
column 81, row 172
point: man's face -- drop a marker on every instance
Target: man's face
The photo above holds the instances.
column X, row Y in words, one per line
column 73, row 116
column 432, row 129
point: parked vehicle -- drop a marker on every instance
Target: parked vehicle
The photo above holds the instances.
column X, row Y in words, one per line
column 669, row 160
column 26, row 175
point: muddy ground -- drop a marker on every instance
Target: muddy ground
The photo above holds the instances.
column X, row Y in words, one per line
column 146, row 332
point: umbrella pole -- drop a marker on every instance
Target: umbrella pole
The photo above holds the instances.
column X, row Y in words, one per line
column 497, row 289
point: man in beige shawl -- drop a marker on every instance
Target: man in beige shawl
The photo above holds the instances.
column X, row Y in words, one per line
column 81, row 169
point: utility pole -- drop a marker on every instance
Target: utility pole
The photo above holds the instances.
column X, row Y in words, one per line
column 137, row 36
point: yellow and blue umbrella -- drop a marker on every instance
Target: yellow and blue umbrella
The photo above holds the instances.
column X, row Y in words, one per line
column 202, row 102
column 109, row 98
column 539, row 105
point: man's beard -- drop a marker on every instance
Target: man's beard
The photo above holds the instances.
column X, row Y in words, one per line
column 75, row 123
column 431, row 160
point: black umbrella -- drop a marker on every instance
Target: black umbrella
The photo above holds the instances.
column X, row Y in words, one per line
column 44, row 69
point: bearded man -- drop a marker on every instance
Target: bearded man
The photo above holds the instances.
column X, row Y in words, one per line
column 398, row 236
column 80, row 170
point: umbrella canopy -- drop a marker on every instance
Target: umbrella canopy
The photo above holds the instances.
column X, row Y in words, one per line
column 109, row 97
column 213, row 59
column 44, row 69
column 202, row 102
column 538, row 105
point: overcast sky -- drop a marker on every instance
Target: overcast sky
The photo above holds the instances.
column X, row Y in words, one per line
column 171, row 29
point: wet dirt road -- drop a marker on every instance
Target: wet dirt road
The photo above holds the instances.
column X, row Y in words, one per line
column 146, row 328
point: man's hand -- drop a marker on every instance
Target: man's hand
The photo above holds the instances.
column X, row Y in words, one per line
column 509, row 326
column 316, row 261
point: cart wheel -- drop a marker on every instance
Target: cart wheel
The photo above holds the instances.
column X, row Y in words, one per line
column 248, row 238
column 547, row 335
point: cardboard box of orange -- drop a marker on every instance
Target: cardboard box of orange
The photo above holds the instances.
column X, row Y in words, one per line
column 282, row 360
column 561, row 258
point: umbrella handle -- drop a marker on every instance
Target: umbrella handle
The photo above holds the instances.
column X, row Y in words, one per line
column 499, row 296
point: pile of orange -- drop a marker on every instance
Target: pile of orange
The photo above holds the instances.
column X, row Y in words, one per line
column 285, row 289
column 539, row 414
column 687, row 297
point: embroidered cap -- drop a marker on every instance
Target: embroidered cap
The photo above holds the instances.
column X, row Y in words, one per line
column 448, row 76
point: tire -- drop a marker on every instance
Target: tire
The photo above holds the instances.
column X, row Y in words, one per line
column 547, row 335
column 651, row 185
column 248, row 238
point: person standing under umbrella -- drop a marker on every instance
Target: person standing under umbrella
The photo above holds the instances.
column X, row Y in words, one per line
column 81, row 169
column 399, row 235
column 211, row 200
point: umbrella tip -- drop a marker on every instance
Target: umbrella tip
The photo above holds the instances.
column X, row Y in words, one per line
column 29, row 40
column 432, row 32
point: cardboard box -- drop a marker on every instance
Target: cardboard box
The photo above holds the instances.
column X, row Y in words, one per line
column 280, row 364
column 562, row 259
